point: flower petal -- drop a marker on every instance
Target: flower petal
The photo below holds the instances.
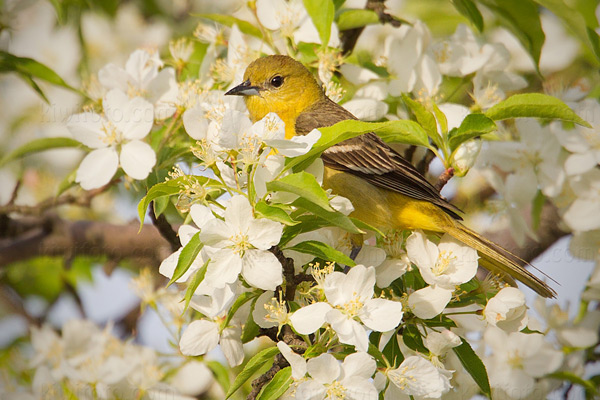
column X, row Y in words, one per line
column 310, row 318
column 200, row 337
column 262, row 269
column 137, row 159
column 324, row 368
column 88, row 128
column 430, row 301
column 97, row 168
column 264, row 233
column 381, row 315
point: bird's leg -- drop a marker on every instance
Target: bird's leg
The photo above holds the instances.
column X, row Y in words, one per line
column 356, row 245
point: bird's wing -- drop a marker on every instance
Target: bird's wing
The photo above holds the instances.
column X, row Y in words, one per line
column 370, row 158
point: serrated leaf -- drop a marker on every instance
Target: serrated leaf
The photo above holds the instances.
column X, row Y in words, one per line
column 196, row 280
column 253, row 365
column 392, row 352
column 334, row 218
column 578, row 22
column 277, row 386
column 38, row 145
column 304, row 185
column 274, row 213
column 220, row 372
column 187, row 256
column 474, row 366
column 227, row 20
column 321, row 12
column 356, row 18
column 401, row 131
column 322, row 251
column 472, row 126
column 522, row 18
column 534, row 105
column 468, row 9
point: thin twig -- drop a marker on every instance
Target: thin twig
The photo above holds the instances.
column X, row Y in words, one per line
column 444, row 178
column 165, row 229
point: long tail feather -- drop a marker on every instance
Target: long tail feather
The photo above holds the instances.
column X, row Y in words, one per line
column 499, row 260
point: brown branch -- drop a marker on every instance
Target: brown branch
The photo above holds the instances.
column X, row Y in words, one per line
column 279, row 362
column 50, row 235
column 165, row 229
column 15, row 304
column 349, row 37
column 444, row 178
column 83, row 199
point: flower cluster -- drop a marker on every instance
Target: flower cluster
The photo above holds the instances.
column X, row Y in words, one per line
column 263, row 250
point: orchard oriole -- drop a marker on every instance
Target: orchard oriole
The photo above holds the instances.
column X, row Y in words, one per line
column 385, row 189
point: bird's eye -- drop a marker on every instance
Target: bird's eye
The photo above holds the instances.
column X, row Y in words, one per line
column 277, row 81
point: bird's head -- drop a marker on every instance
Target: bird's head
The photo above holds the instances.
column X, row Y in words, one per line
column 278, row 84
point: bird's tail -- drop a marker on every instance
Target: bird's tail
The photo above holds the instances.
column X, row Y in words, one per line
column 500, row 261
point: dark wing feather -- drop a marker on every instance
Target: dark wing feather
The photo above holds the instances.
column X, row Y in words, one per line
column 370, row 158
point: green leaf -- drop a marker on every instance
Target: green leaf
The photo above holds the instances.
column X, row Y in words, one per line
column 474, row 366
column 277, row 386
column 536, row 209
column 35, row 146
column 31, row 68
column 575, row 379
column 413, row 339
column 356, row 18
column 250, row 330
column 227, row 20
column 322, row 251
column 274, row 213
column 187, row 256
column 365, row 227
column 473, row 125
column 424, row 117
column 196, row 280
column 240, row 301
column 392, row 352
column 522, row 18
column 307, row 223
column 220, row 372
column 534, row 105
column 468, row 9
column 576, row 21
column 167, row 188
column 402, row 131
column 67, row 183
column 321, row 12
column 334, row 218
column 253, row 365
column 304, row 185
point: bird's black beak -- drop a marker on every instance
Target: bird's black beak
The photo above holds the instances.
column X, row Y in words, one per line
column 244, row 89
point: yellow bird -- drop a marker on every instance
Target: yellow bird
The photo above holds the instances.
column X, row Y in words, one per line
column 385, row 189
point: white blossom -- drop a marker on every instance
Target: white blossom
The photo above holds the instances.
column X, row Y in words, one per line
column 443, row 267
column 142, row 78
column 115, row 138
column 242, row 244
column 507, row 310
column 349, row 300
